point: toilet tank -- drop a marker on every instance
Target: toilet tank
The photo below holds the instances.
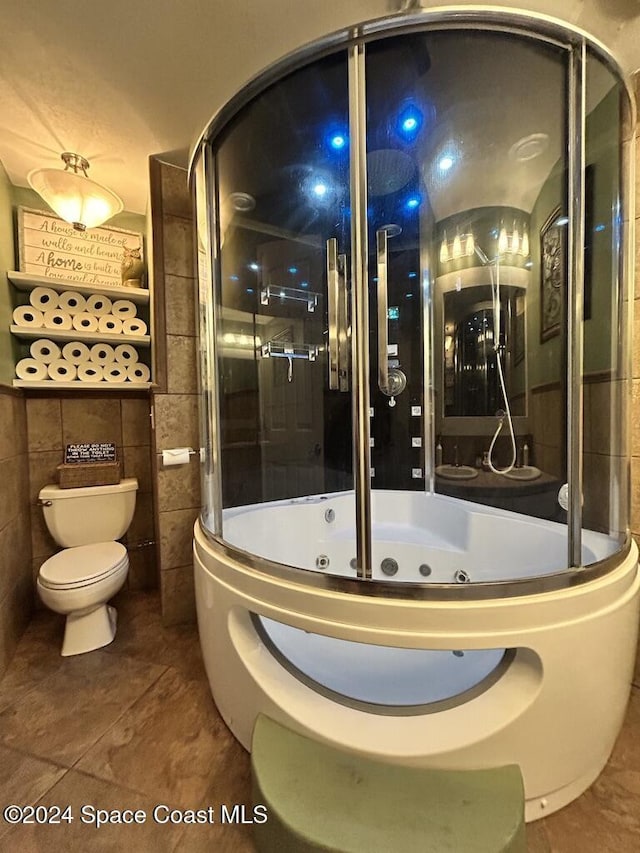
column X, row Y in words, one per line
column 90, row 514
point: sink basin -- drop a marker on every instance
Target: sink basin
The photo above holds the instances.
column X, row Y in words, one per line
column 527, row 472
column 456, row 472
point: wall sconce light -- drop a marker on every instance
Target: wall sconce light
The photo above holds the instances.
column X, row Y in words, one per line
column 444, row 250
column 463, row 244
column 512, row 243
column 73, row 196
column 508, row 243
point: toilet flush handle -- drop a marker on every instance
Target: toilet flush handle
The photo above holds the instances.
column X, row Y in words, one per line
column 42, row 502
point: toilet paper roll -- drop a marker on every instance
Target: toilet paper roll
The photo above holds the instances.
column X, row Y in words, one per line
column 115, row 372
column 29, row 368
column 85, row 322
column 28, row 316
column 44, row 298
column 134, row 327
column 126, row 354
column 61, row 370
column 72, row 302
column 44, row 351
column 110, row 325
column 138, row 372
column 88, row 371
column 57, row 319
column 75, row 352
column 99, row 305
column 176, row 456
column 124, row 308
column 102, row 354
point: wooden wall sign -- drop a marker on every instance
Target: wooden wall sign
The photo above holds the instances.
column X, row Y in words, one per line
column 50, row 247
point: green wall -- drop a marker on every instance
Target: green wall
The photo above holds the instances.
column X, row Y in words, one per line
column 6, row 263
column 11, row 197
column 602, row 143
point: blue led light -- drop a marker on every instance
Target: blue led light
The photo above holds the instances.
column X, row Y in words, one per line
column 413, row 202
column 410, row 121
column 234, row 278
column 304, row 284
column 600, row 227
column 337, row 141
column 250, row 290
column 320, row 189
column 293, row 270
column 445, row 162
column 254, row 266
column 413, row 274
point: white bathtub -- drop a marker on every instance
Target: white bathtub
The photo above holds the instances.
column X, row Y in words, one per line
column 545, row 673
column 414, row 528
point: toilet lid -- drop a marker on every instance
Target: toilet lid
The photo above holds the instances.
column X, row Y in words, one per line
column 83, row 565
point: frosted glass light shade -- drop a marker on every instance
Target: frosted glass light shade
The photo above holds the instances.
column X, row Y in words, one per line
column 75, row 198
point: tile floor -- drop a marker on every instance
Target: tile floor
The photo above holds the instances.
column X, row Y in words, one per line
column 133, row 725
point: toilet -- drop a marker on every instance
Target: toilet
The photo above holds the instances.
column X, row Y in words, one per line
column 92, row 567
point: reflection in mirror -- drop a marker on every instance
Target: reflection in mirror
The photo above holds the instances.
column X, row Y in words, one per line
column 476, row 331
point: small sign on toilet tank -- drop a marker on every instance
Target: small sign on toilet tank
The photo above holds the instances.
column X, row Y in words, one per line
column 94, row 452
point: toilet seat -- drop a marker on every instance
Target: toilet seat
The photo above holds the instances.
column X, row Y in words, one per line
column 83, row 565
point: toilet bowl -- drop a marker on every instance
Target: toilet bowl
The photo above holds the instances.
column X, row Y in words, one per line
column 92, row 567
column 77, row 583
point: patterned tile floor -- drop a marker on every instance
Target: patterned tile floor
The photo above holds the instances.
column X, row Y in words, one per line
column 133, row 726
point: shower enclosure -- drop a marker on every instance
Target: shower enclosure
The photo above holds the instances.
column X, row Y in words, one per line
column 413, row 256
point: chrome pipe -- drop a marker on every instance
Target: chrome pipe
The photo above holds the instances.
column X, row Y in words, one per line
column 575, row 296
column 360, row 298
column 383, row 312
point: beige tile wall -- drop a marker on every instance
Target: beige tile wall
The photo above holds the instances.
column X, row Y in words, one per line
column 53, row 422
column 16, row 589
column 175, row 405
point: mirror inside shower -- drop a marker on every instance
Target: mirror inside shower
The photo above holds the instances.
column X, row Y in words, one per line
column 484, row 334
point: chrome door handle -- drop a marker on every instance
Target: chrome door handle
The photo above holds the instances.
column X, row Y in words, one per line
column 332, row 309
column 338, row 347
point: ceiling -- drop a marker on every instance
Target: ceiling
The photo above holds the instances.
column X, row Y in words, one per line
column 119, row 81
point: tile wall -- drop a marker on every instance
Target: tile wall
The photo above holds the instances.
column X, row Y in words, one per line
column 16, row 588
column 53, row 422
column 176, row 402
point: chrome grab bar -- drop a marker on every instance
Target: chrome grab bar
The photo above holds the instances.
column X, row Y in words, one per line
column 383, row 313
column 338, row 318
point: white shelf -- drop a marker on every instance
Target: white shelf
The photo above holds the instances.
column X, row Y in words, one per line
column 29, row 333
column 76, row 384
column 27, row 281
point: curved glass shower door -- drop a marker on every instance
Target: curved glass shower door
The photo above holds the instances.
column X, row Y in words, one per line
column 417, row 354
column 284, row 309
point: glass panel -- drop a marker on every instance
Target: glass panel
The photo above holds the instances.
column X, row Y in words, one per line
column 467, row 149
column 383, row 679
column 605, row 487
column 283, row 198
